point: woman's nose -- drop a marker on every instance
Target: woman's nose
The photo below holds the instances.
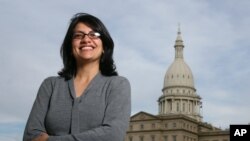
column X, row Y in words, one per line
column 85, row 39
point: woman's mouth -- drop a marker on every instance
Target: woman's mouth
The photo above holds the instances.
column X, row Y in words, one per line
column 86, row 48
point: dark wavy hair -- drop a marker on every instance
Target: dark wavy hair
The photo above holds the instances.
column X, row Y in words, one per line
column 107, row 65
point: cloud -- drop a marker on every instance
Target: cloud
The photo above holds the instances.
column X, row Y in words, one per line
column 215, row 36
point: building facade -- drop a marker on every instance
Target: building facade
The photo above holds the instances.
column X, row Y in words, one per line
column 179, row 117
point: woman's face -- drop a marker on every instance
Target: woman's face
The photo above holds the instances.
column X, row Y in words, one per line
column 86, row 44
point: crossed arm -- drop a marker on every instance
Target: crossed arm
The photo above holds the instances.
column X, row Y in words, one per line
column 114, row 125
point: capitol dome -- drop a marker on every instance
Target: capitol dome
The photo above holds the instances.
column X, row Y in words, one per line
column 179, row 93
column 179, row 74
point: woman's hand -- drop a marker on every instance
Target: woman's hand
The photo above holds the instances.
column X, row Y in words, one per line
column 42, row 137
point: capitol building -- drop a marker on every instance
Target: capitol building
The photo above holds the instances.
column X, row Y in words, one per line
column 179, row 116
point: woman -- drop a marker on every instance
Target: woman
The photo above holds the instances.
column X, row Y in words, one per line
column 88, row 101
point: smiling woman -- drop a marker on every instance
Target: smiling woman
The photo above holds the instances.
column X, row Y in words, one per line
column 86, row 48
column 82, row 24
column 88, row 100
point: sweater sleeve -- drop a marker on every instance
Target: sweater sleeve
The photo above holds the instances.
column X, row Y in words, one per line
column 116, row 118
column 35, row 124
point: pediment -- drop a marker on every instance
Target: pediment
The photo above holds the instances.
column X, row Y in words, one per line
column 142, row 116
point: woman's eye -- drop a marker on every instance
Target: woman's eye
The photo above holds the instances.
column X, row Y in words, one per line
column 94, row 34
column 77, row 36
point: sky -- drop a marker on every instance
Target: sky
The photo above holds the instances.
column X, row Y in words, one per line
column 215, row 34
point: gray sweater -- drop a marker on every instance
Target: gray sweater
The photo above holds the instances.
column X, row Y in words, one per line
column 100, row 114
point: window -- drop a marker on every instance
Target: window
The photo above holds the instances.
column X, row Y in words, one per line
column 153, row 125
column 141, row 138
column 183, row 107
column 142, row 126
column 189, row 107
column 178, row 107
column 166, row 125
column 131, row 127
column 174, row 124
column 130, row 138
column 152, row 138
column 165, row 138
column 174, row 138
